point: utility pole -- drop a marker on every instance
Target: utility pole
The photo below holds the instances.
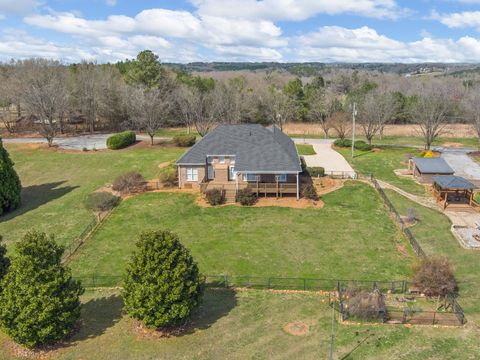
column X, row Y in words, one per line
column 354, row 113
column 332, row 338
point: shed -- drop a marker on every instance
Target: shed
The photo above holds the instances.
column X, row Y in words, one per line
column 454, row 190
column 424, row 169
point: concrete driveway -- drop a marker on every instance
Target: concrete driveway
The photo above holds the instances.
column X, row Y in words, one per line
column 463, row 164
column 326, row 157
column 90, row 142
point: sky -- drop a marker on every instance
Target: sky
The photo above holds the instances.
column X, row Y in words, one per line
column 242, row 30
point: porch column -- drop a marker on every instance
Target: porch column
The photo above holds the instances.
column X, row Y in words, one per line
column 298, row 188
column 179, row 177
column 236, row 182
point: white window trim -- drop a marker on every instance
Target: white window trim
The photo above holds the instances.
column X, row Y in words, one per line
column 245, row 177
column 192, row 174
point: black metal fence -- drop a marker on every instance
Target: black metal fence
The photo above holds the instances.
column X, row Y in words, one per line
column 398, row 219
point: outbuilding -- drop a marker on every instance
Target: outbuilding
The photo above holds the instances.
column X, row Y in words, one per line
column 424, row 169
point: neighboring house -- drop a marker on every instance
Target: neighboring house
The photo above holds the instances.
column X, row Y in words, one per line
column 233, row 157
column 424, row 169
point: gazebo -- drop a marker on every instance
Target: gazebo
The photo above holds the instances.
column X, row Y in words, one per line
column 453, row 190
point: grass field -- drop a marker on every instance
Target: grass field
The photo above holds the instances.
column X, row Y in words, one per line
column 55, row 184
column 383, row 163
column 433, row 233
column 305, row 149
column 268, row 241
column 250, row 325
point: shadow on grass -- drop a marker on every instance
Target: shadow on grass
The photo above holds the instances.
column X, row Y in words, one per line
column 98, row 315
column 216, row 304
column 35, row 196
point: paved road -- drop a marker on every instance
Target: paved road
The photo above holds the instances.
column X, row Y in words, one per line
column 326, row 157
column 90, row 142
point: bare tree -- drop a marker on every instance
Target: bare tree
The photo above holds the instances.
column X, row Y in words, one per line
column 374, row 111
column 280, row 106
column 44, row 93
column 435, row 103
column 471, row 104
column 318, row 110
column 341, row 122
column 84, row 92
column 149, row 108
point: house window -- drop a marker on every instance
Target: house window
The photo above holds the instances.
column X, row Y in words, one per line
column 250, row 177
column 192, row 174
column 282, row 178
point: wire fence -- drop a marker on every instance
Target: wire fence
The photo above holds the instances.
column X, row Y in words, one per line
column 86, row 233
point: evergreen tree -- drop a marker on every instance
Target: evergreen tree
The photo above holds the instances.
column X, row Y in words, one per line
column 4, row 260
column 40, row 300
column 162, row 285
column 10, row 186
column 145, row 70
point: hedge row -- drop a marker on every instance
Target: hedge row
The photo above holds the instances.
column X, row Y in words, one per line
column 184, row 140
column 121, row 140
column 359, row 145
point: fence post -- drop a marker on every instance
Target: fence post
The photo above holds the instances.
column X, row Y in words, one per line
column 269, row 283
column 433, row 322
column 304, row 284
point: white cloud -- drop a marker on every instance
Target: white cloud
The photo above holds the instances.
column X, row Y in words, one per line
column 332, row 44
column 466, row 19
column 111, row 2
column 297, row 10
column 18, row 7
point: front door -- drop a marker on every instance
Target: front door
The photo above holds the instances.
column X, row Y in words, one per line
column 232, row 174
column 211, row 173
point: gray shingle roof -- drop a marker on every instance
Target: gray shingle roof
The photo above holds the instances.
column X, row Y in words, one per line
column 256, row 148
column 453, row 182
column 433, row 166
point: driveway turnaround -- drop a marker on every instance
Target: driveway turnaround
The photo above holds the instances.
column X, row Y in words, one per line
column 326, row 157
column 89, row 142
column 463, row 164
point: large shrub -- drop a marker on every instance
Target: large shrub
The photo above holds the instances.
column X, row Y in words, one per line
column 129, row 183
column 4, row 261
column 215, row 196
column 347, row 143
column 246, row 197
column 40, row 300
column 101, row 201
column 343, row 143
column 162, row 285
column 308, row 191
column 10, row 186
column 434, row 276
column 316, row 171
column 168, row 176
column 363, row 146
column 185, row 140
column 121, row 140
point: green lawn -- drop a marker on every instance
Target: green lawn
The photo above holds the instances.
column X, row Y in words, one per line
column 250, row 325
column 172, row 132
column 433, row 233
column 269, row 241
column 383, row 163
column 55, row 184
column 305, row 149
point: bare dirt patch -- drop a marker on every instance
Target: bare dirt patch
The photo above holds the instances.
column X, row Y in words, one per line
column 290, row 202
column 325, row 185
column 296, row 328
column 145, row 333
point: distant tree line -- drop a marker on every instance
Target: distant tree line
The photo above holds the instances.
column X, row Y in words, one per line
column 143, row 94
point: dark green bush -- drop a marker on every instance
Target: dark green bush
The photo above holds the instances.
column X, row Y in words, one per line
column 129, row 183
column 362, row 146
column 169, row 176
column 121, row 140
column 10, row 186
column 316, row 171
column 303, row 164
column 343, row 143
column 4, row 261
column 359, row 145
column 308, row 191
column 246, row 197
column 185, row 140
column 215, row 196
column 101, row 201
column 40, row 300
column 162, row 284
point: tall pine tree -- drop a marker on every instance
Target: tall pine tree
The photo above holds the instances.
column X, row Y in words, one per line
column 10, row 186
column 40, row 301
